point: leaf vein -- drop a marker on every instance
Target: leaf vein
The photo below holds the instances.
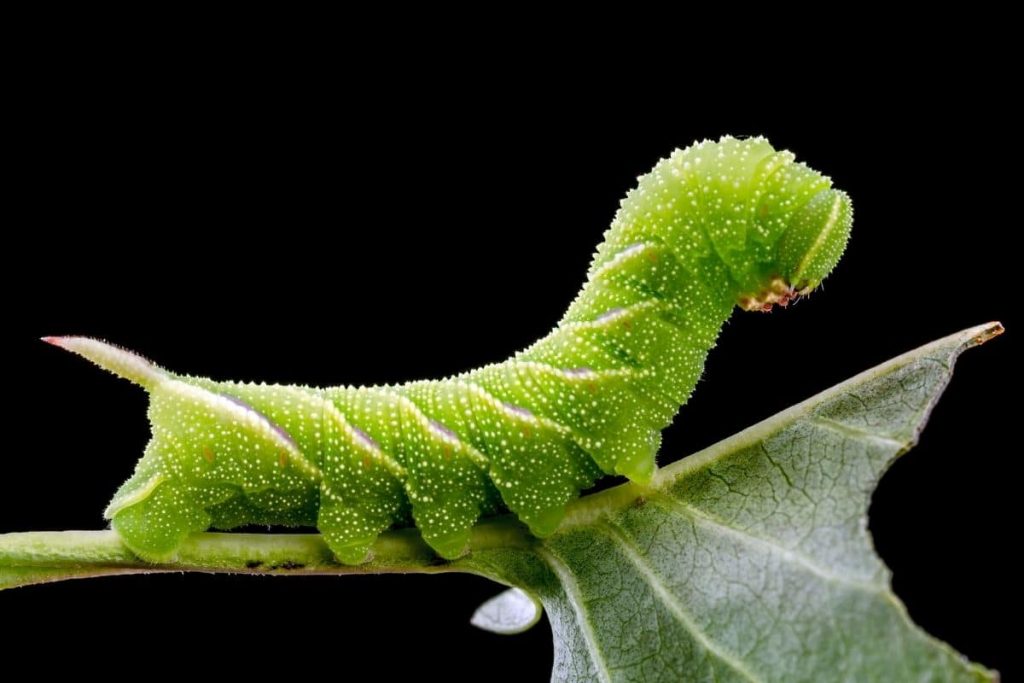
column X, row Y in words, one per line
column 672, row 602
column 766, row 543
column 572, row 592
column 852, row 432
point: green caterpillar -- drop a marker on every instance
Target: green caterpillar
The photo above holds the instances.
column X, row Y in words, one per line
column 712, row 226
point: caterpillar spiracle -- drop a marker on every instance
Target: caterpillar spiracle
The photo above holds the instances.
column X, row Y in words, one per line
column 713, row 226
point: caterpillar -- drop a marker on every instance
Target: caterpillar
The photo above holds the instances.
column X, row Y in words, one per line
column 713, row 226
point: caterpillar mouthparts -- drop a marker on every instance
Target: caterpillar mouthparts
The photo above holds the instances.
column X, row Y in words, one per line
column 779, row 292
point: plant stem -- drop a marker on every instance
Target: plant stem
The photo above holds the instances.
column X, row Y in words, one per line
column 44, row 556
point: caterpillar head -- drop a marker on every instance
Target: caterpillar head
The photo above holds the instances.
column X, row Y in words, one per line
column 807, row 251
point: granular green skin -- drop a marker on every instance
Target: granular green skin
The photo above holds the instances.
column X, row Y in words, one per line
column 713, row 226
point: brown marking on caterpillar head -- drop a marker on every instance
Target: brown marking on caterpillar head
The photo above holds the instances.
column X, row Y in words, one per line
column 447, row 450
column 282, row 458
column 779, row 292
column 627, row 324
column 592, row 386
column 652, row 256
column 208, row 454
column 366, row 461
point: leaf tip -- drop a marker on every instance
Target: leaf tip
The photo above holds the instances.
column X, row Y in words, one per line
column 986, row 332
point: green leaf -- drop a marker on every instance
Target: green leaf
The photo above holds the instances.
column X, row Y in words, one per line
column 748, row 561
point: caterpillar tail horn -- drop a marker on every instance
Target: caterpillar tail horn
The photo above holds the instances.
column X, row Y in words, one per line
column 122, row 362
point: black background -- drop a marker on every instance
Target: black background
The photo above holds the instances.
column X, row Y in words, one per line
column 313, row 220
